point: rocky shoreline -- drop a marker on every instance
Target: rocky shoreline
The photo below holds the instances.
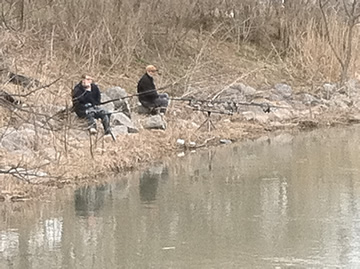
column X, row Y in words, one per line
column 56, row 151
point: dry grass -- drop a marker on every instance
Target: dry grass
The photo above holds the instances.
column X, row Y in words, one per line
column 76, row 165
column 114, row 40
column 195, row 44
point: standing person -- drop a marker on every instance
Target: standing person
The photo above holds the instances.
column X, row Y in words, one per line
column 148, row 96
column 86, row 98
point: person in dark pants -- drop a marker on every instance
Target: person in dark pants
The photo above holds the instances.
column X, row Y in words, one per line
column 148, row 96
column 86, row 98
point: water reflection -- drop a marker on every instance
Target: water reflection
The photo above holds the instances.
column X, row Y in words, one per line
column 89, row 200
column 279, row 202
column 149, row 181
column 9, row 243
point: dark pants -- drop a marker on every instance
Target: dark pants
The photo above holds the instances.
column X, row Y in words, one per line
column 162, row 102
column 94, row 113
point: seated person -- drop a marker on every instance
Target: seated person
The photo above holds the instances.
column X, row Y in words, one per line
column 86, row 98
column 147, row 93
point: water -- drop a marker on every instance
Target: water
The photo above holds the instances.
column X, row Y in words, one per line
column 282, row 202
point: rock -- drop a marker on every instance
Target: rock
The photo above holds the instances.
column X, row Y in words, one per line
column 283, row 90
column 338, row 103
column 116, row 92
column 275, row 97
column 154, row 122
column 192, row 144
column 180, row 142
column 109, row 107
column 244, row 89
column 122, row 104
column 307, row 99
column 237, row 93
column 149, row 111
column 262, row 118
column 143, row 110
column 354, row 118
column 280, row 114
column 17, row 140
column 248, row 115
column 122, row 119
column 119, row 130
column 328, row 90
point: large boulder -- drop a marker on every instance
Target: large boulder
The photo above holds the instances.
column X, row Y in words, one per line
column 110, row 107
column 122, row 104
column 237, row 93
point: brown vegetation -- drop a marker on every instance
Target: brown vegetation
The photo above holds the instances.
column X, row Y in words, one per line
column 200, row 46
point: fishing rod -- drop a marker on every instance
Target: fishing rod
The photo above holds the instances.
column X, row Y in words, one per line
column 214, row 111
column 138, row 94
column 265, row 106
column 125, row 97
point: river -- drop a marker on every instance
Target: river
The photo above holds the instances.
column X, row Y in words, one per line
column 279, row 202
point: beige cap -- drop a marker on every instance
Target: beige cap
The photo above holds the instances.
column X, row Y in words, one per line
column 85, row 76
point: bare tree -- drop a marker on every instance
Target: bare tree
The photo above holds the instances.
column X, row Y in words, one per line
column 352, row 15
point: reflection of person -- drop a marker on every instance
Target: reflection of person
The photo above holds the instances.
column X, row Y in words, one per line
column 89, row 200
column 149, row 181
column 148, row 95
column 148, row 186
column 86, row 98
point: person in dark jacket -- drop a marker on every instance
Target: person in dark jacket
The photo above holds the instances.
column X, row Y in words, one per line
column 86, row 99
column 148, row 96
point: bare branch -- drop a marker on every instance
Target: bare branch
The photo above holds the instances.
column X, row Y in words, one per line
column 346, row 9
column 327, row 34
column 38, row 88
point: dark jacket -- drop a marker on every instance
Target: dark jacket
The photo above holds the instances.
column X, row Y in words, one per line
column 146, row 89
column 81, row 97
